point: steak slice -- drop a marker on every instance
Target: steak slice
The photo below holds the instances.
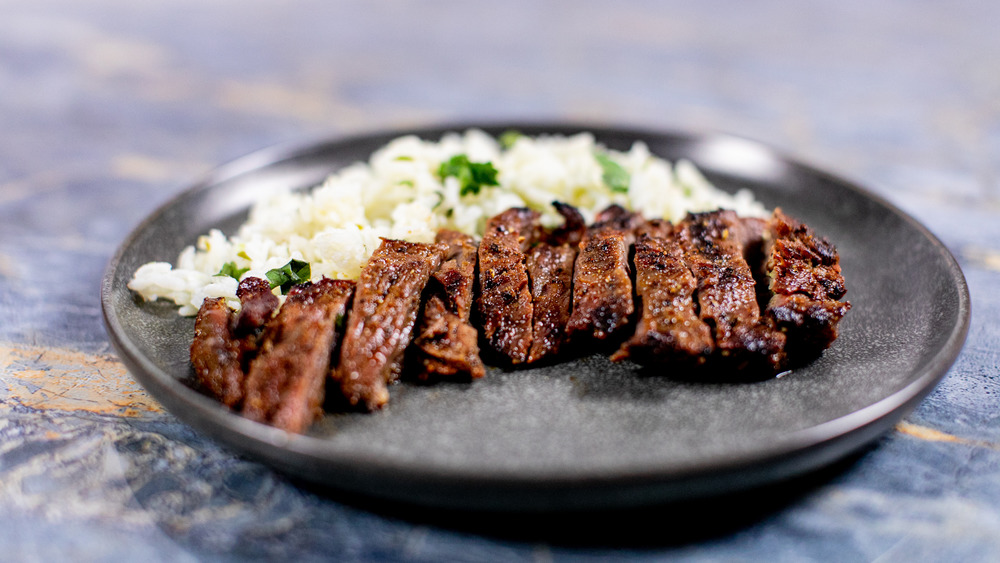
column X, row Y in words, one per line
column 806, row 284
column 285, row 384
column 380, row 324
column 602, row 283
column 726, row 294
column 505, row 308
column 550, row 268
column 215, row 352
column 571, row 231
column 669, row 329
column 257, row 305
column 446, row 345
column 457, row 274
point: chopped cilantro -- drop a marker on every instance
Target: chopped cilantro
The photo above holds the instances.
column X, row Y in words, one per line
column 615, row 176
column 230, row 269
column 472, row 176
column 508, row 138
column 291, row 274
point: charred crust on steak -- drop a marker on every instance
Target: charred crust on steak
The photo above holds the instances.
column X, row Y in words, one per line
column 380, row 323
column 505, row 304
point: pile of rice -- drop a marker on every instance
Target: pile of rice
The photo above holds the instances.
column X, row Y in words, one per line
column 398, row 194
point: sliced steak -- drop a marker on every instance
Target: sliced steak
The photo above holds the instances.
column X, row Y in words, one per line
column 726, row 294
column 215, row 352
column 505, row 308
column 806, row 284
column 573, row 228
column 550, row 268
column 446, row 345
column 285, row 384
column 620, row 219
column 602, row 284
column 257, row 305
column 669, row 329
column 380, row 324
column 457, row 275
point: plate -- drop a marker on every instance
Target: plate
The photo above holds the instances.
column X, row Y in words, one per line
column 586, row 433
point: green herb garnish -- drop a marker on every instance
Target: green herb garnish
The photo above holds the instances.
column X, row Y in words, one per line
column 615, row 176
column 472, row 176
column 289, row 275
column 230, row 269
column 404, row 158
column 508, row 138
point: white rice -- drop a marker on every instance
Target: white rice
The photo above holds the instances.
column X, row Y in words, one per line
column 397, row 194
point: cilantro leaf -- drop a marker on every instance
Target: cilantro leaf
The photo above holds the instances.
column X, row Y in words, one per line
column 230, row 269
column 289, row 275
column 508, row 138
column 472, row 176
column 615, row 176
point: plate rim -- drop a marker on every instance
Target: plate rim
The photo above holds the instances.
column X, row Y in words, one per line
column 881, row 413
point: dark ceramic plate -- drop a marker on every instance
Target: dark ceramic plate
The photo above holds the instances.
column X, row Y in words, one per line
column 588, row 432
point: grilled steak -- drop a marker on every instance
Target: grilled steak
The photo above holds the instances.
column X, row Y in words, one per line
column 726, row 294
column 446, row 345
column 257, row 305
column 505, row 308
column 806, row 284
column 572, row 229
column 669, row 329
column 551, row 270
column 215, row 352
column 602, row 284
column 380, row 324
column 457, row 274
column 285, row 384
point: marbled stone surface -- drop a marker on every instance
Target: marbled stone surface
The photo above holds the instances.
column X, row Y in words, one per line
column 108, row 108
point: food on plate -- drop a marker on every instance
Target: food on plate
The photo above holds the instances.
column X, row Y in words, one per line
column 412, row 188
column 446, row 345
column 299, row 310
column 380, row 323
column 286, row 381
column 505, row 304
column 602, row 284
column 806, row 285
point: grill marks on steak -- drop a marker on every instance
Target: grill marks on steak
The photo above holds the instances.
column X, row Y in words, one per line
column 602, row 282
column 694, row 286
column 446, row 344
column 669, row 328
column 806, row 284
column 380, row 324
column 285, row 383
column 505, row 303
column 550, row 268
column 714, row 246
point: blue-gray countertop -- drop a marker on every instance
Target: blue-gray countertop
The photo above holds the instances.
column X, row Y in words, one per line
column 108, row 108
